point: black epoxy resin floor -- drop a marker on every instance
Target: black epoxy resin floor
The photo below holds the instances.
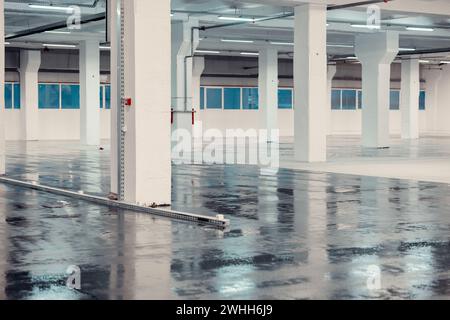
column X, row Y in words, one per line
column 293, row 235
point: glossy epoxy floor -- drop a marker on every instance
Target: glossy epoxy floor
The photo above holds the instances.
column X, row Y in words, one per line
column 293, row 235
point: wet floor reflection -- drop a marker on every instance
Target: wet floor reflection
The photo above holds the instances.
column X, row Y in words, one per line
column 293, row 235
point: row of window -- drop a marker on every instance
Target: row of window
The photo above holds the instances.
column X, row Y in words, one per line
column 350, row 99
column 67, row 96
column 239, row 98
column 55, row 96
column 247, row 99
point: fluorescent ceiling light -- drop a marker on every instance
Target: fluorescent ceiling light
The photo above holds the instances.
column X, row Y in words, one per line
column 250, row 53
column 407, row 49
column 366, row 26
column 282, row 43
column 207, row 51
column 352, row 58
column 57, row 45
column 7, row 43
column 424, row 61
column 340, row 45
column 419, row 29
column 105, row 48
column 50, row 8
column 58, row 32
column 444, row 62
column 236, row 41
column 237, row 19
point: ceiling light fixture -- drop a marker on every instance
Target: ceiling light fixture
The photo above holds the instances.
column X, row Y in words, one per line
column 444, row 62
column 207, row 51
column 241, row 19
column 420, row 29
column 50, row 8
column 407, row 49
column 424, row 61
column 366, row 26
column 340, row 45
column 58, row 32
column 282, row 43
column 236, row 41
column 249, row 53
column 57, row 45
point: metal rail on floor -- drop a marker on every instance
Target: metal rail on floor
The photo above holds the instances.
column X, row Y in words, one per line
column 218, row 221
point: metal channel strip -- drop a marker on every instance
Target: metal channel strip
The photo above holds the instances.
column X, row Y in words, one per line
column 120, row 33
column 218, row 221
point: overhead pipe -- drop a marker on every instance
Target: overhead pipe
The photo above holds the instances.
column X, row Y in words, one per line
column 55, row 26
column 291, row 14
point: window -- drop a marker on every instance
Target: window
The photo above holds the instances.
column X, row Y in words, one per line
column 102, row 88
column 214, row 98
column 16, row 95
column 422, row 100
column 359, row 99
column 348, row 99
column 107, row 97
column 70, row 96
column 250, row 98
column 335, row 99
column 8, row 96
column 284, row 99
column 395, row 100
column 202, row 98
column 48, row 96
column 232, row 98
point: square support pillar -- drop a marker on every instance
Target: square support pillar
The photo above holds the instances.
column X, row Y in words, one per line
column 376, row 51
column 30, row 61
column 409, row 102
column 184, row 41
column 89, row 92
column 198, row 67
column 310, row 82
column 147, row 120
column 2, row 88
column 268, row 89
column 331, row 72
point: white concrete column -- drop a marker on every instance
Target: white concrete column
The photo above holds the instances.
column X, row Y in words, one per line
column 409, row 100
column 30, row 61
column 310, row 82
column 2, row 88
column 268, row 89
column 376, row 51
column 89, row 92
column 331, row 72
column 114, row 65
column 432, row 78
column 147, row 120
column 198, row 67
column 182, row 63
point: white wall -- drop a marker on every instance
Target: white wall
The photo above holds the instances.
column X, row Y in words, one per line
column 54, row 124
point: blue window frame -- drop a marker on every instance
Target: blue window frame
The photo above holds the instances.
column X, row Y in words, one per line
column 422, row 100
column 16, row 95
column 202, row 98
column 232, row 98
column 101, row 96
column 250, row 98
column 214, row 98
column 348, row 99
column 284, row 99
column 70, row 96
column 107, row 97
column 359, row 99
column 394, row 100
column 48, row 96
column 335, row 99
column 8, row 96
